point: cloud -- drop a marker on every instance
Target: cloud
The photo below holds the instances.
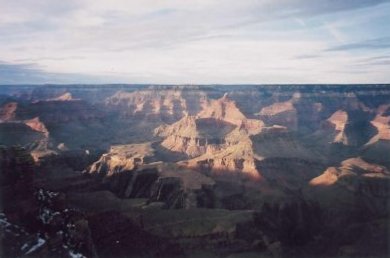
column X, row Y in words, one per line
column 378, row 43
column 175, row 41
column 330, row 6
column 375, row 61
column 30, row 73
column 306, row 56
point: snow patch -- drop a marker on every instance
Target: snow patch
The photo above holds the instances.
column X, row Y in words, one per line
column 76, row 255
column 39, row 243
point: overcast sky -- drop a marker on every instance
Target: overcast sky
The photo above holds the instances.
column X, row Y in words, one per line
column 194, row 42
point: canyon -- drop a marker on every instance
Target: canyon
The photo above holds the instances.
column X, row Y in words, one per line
column 195, row 171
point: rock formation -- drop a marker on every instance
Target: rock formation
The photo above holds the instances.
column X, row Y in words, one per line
column 353, row 177
column 218, row 136
column 235, row 155
column 225, row 109
column 167, row 105
column 281, row 113
column 121, row 158
column 350, row 128
column 339, row 120
column 382, row 124
column 7, row 111
column 192, row 135
column 37, row 125
column 67, row 96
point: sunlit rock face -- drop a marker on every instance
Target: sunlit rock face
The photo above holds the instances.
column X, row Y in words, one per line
column 343, row 134
column 192, row 135
column 234, row 155
column 333, row 129
column 378, row 146
column 382, row 124
column 280, row 113
column 37, row 125
column 353, row 177
column 165, row 105
column 222, row 109
column 225, row 109
column 67, row 96
column 183, row 136
column 121, row 158
column 217, row 138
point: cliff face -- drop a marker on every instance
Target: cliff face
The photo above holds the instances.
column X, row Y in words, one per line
column 192, row 135
column 353, row 179
column 31, row 134
column 338, row 121
column 7, row 111
column 234, row 155
column 222, row 109
column 182, row 136
column 377, row 148
column 345, row 128
column 280, row 113
column 17, row 168
column 67, row 96
column 182, row 188
column 225, row 109
column 218, row 136
column 165, row 184
column 382, row 124
column 47, row 123
column 165, row 105
column 59, row 111
column 121, row 158
column 37, row 125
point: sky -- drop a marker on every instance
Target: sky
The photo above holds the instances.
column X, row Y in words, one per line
column 194, row 42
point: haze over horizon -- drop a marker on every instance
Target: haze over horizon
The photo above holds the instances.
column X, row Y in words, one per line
column 196, row 42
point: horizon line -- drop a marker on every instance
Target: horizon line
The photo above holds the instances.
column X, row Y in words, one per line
column 194, row 84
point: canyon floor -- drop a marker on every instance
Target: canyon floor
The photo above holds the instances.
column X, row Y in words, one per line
column 195, row 171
